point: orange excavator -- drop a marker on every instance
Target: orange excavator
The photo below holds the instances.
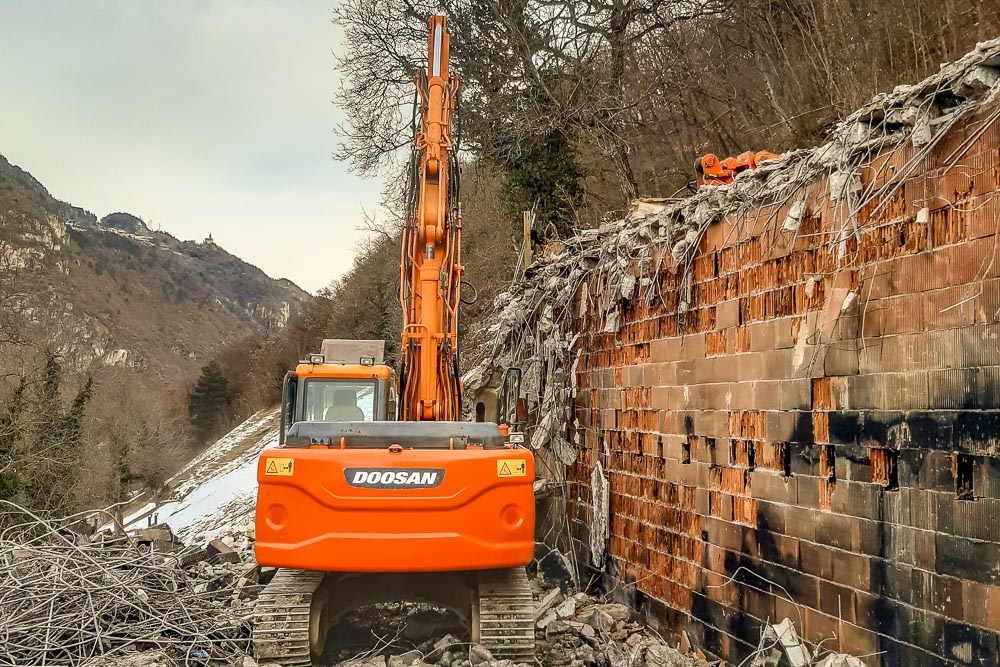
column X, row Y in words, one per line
column 711, row 170
column 377, row 495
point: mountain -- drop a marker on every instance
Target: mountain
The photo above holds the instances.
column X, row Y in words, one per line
column 114, row 292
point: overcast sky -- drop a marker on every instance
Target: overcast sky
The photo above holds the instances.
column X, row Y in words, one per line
column 201, row 116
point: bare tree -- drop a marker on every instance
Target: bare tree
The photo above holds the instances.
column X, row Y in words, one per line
column 384, row 42
column 134, row 443
column 528, row 68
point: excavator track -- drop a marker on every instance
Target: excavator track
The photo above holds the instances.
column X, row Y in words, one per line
column 504, row 616
column 285, row 616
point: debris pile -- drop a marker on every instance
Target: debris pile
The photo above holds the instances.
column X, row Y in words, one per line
column 69, row 599
column 576, row 629
column 146, row 600
column 572, row 630
column 781, row 641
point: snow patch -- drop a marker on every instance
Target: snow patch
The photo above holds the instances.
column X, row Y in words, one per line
column 217, row 487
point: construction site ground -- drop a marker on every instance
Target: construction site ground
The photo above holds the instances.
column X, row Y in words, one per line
column 70, row 598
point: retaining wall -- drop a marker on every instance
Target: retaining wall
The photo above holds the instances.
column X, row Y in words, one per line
column 818, row 436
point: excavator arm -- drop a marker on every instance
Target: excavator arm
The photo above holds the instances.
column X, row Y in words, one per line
column 431, row 267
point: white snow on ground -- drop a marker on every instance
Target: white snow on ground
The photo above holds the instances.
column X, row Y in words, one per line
column 219, row 483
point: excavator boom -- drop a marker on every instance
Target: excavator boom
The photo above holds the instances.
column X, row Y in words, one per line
column 431, row 268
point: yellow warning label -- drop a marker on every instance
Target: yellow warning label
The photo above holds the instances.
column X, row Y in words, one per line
column 280, row 467
column 512, row 468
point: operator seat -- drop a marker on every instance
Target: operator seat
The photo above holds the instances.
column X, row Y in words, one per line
column 345, row 407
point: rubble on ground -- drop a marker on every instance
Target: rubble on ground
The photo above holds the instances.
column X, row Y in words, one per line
column 572, row 630
column 141, row 600
column 147, row 600
column 780, row 640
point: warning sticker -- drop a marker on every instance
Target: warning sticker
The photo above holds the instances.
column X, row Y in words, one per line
column 512, row 468
column 279, row 467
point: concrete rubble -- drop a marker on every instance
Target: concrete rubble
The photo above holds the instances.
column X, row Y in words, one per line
column 572, row 630
column 105, row 599
column 73, row 599
column 780, row 640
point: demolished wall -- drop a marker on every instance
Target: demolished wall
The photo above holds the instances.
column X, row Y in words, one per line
column 792, row 387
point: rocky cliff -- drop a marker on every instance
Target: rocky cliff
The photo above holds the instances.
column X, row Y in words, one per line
column 113, row 291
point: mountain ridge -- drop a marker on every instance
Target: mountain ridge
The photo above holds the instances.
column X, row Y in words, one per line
column 112, row 291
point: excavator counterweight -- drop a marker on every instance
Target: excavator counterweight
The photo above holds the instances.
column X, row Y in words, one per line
column 377, row 493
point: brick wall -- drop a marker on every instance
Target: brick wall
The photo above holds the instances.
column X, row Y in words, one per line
column 818, row 436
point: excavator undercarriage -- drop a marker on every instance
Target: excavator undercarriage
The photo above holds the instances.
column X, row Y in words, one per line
column 441, row 521
column 296, row 610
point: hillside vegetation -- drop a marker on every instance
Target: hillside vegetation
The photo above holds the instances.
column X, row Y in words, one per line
column 115, row 292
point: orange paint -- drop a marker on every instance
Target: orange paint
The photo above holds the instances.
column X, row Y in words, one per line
column 314, row 511
column 475, row 519
column 431, row 267
column 714, row 171
column 346, row 371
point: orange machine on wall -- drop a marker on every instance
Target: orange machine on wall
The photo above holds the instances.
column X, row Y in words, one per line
column 711, row 170
column 356, row 507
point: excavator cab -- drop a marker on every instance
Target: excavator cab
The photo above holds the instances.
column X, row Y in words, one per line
column 346, row 382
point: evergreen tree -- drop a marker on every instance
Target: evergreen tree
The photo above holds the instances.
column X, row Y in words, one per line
column 547, row 173
column 210, row 403
column 72, row 426
column 11, row 436
column 54, row 449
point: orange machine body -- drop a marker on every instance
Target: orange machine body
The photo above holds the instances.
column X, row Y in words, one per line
column 712, row 170
column 346, row 371
column 441, row 501
column 480, row 516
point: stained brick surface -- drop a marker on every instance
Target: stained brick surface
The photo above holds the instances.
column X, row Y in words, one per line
column 787, row 447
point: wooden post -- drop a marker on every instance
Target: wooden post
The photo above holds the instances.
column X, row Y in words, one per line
column 526, row 246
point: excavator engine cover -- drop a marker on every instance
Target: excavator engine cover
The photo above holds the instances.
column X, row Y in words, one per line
column 395, row 497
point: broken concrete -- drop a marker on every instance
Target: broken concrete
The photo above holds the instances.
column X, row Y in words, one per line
column 555, row 568
column 220, row 552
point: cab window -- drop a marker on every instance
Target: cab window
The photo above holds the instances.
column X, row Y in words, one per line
column 334, row 400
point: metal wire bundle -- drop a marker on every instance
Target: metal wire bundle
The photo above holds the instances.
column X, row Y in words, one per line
column 67, row 601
